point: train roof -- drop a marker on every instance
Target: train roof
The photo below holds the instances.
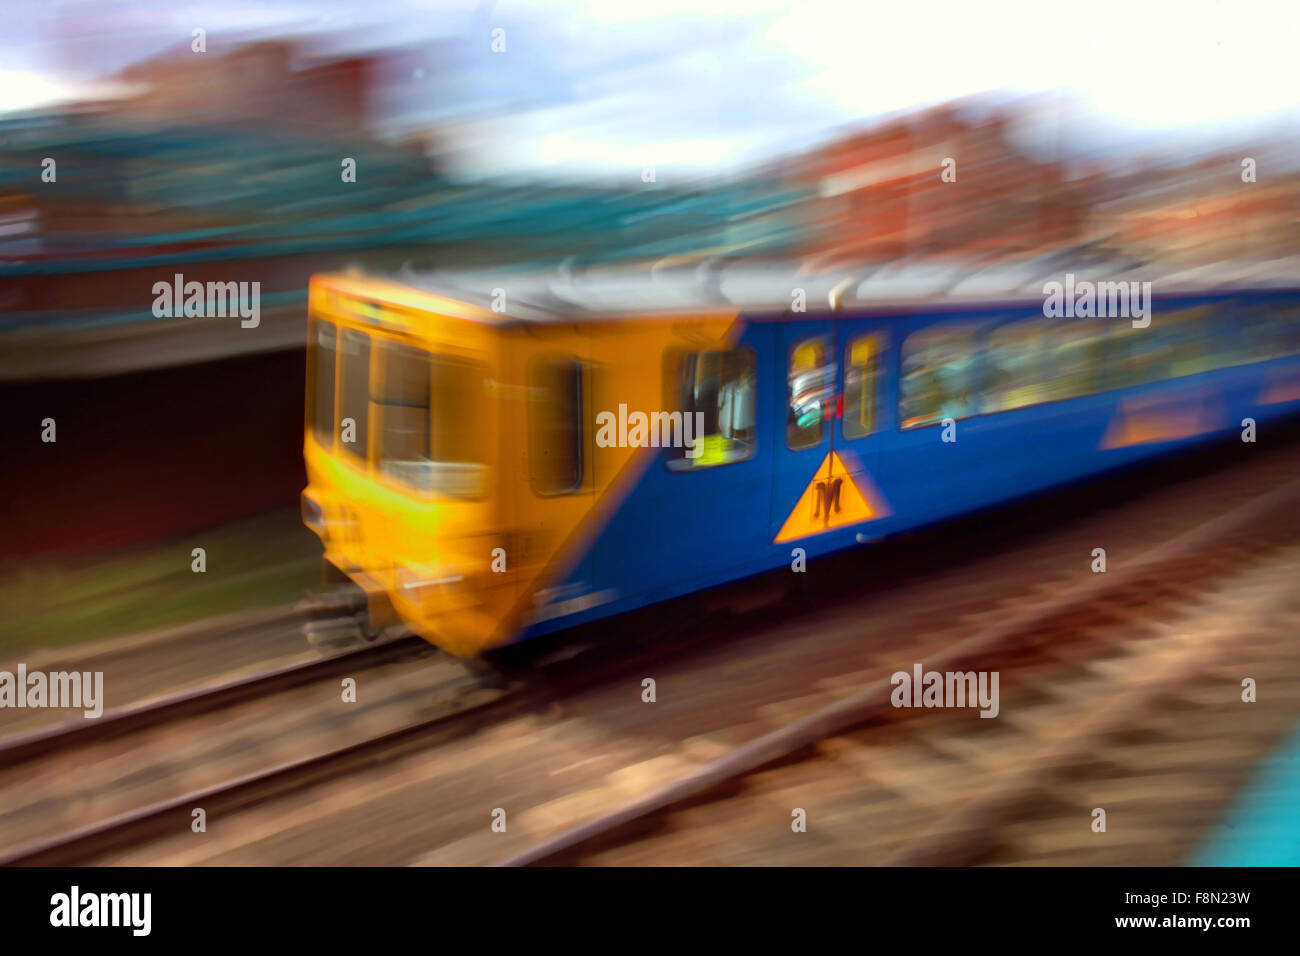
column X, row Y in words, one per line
column 569, row 293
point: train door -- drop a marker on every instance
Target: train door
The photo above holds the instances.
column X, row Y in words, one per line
column 832, row 373
column 805, row 377
column 547, row 450
column 867, row 420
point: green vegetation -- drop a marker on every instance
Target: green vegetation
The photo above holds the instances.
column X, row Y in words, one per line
column 252, row 563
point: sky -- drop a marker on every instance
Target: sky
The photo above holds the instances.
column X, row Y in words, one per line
column 708, row 85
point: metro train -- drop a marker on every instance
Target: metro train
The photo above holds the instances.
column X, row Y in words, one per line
column 493, row 457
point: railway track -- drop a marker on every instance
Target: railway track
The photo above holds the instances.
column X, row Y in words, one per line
column 175, row 814
column 458, row 706
column 67, row 739
column 1203, row 649
column 957, row 797
column 17, row 748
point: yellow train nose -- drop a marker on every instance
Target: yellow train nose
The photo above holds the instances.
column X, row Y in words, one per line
column 455, row 608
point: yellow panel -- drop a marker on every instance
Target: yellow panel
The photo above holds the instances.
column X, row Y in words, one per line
column 1140, row 423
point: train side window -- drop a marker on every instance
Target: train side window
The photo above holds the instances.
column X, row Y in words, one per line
column 1199, row 348
column 1077, row 356
column 810, row 385
column 1017, row 362
column 1249, row 334
column 458, row 428
column 1120, row 364
column 1175, row 344
column 404, row 420
column 861, row 372
column 555, row 409
column 1264, row 331
column 1186, row 343
column 354, row 392
column 719, row 390
column 1287, row 317
column 324, row 352
column 939, row 369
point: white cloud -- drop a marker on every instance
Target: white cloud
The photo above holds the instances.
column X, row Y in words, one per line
column 711, row 82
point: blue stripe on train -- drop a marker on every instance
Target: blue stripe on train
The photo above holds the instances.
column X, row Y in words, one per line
column 683, row 531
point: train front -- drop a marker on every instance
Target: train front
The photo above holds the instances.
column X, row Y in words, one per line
column 400, row 440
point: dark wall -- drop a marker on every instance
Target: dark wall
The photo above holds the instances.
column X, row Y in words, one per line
column 149, row 455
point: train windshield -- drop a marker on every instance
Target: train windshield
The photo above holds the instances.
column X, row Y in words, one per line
column 426, row 410
column 430, row 420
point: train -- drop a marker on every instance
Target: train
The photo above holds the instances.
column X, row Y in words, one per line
column 497, row 455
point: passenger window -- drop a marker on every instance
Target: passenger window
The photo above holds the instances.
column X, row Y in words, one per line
column 1264, row 331
column 1175, row 344
column 1193, row 344
column 721, row 388
column 555, row 406
column 354, row 392
column 861, row 368
column 459, row 430
column 810, row 386
column 324, row 352
column 459, row 388
column 939, row 367
column 1018, row 360
column 1287, row 319
column 1077, row 356
column 1119, row 362
column 1252, row 334
column 404, row 423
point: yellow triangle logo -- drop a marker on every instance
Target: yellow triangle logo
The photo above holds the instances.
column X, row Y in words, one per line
column 834, row 498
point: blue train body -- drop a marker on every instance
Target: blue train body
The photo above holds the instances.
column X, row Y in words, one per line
column 681, row 531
